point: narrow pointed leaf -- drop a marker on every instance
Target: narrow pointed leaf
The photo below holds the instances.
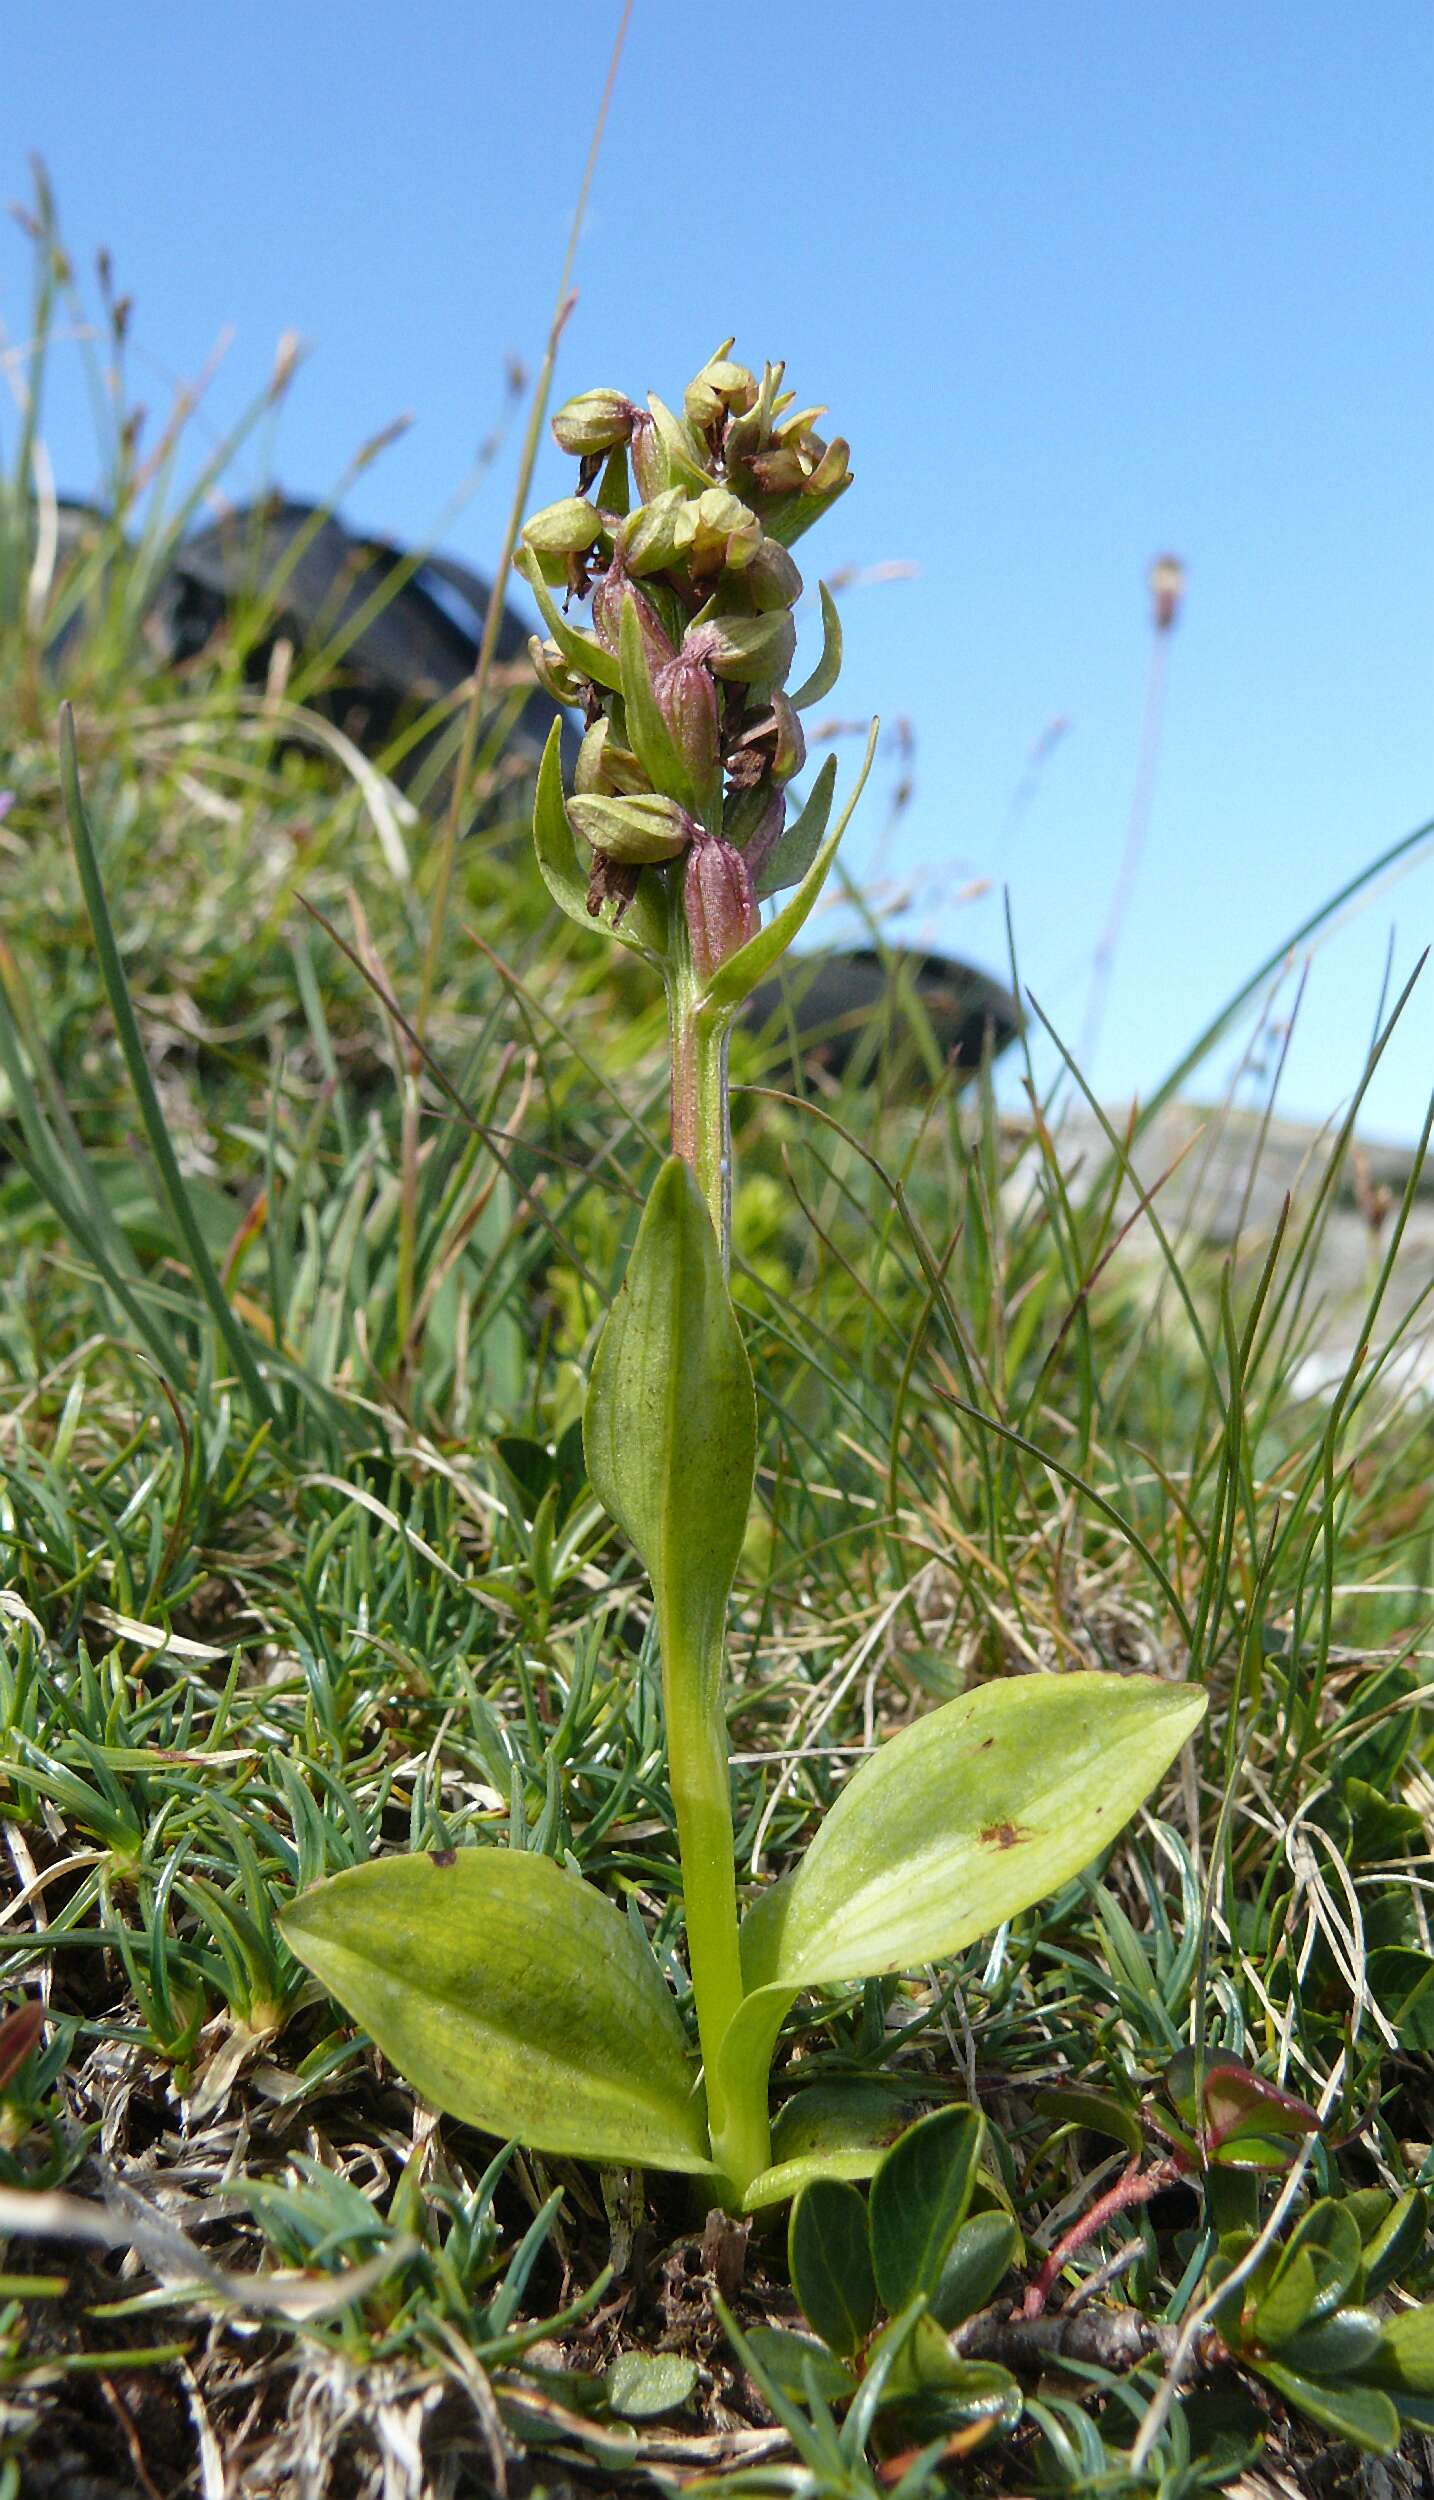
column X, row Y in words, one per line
column 970, row 1815
column 670, row 1429
column 647, row 732
column 581, row 651
column 919, row 2198
column 512, row 1995
column 831, row 2264
column 828, row 668
column 801, row 840
column 733, row 980
column 171, row 1180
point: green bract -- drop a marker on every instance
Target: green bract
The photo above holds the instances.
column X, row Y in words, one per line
column 508, row 1990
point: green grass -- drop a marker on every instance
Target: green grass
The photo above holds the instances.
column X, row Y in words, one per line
column 255, row 1628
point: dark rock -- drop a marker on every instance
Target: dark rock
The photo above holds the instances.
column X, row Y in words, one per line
column 403, row 632
column 847, row 1008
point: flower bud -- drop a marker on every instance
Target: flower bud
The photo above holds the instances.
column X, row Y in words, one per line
column 604, row 768
column 649, row 540
column 721, row 389
column 559, row 535
column 777, row 740
column 755, row 650
column 563, row 529
column 560, row 682
column 771, row 580
column 609, row 591
column 594, row 421
column 720, row 905
column 717, row 531
column 637, row 831
column 686, row 695
column 649, row 460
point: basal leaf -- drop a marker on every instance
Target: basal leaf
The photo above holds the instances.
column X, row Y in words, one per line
column 512, row 1995
column 967, row 1817
column 670, row 1429
column 919, row 2198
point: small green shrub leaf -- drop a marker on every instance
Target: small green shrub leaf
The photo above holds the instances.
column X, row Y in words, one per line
column 1099, row 2111
column 975, row 2397
column 919, row 2198
column 670, row 1429
column 1394, row 2243
column 1405, row 2359
column 1335, row 2346
column 640, row 2385
column 831, row 2263
column 968, row 1816
column 981, row 2255
column 512, row 1995
column 795, row 2362
column 1329, row 2237
column 1362, row 2415
column 1288, row 2303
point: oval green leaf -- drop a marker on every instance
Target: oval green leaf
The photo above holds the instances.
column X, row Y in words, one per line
column 970, row 1815
column 1361, row 2415
column 512, row 1995
column 831, row 2263
column 670, row 1429
column 919, row 2198
column 982, row 2253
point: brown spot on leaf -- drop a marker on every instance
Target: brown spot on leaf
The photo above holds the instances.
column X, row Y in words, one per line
column 443, row 1857
column 1003, row 1835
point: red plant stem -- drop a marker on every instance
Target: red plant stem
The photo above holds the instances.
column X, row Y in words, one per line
column 1134, row 2187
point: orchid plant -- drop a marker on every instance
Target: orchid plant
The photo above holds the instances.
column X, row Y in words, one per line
column 508, row 1989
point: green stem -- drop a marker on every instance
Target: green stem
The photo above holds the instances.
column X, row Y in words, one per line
column 692, row 1687
column 702, row 1802
column 701, row 1120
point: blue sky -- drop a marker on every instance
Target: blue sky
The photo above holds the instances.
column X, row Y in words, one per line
column 1079, row 284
